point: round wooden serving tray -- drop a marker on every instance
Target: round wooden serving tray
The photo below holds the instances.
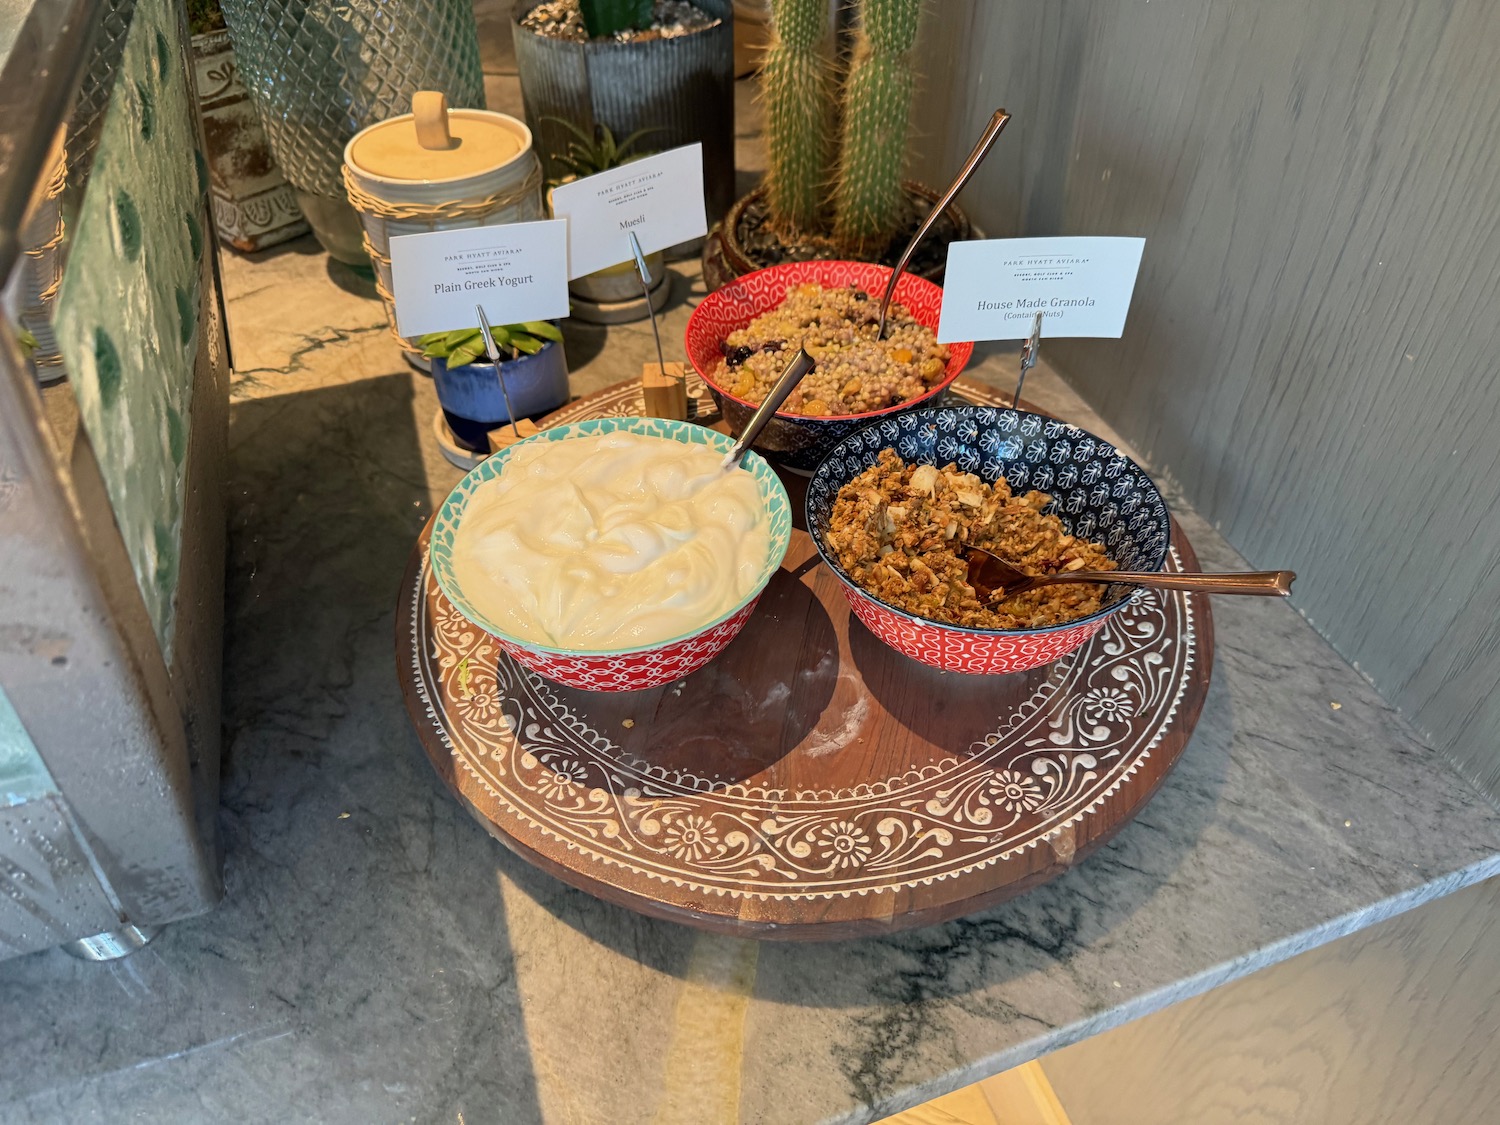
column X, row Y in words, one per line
column 809, row 783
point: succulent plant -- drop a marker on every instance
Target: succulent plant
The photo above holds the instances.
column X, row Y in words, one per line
column 605, row 17
column 464, row 346
column 868, row 202
column 798, row 82
column 204, row 16
column 588, row 154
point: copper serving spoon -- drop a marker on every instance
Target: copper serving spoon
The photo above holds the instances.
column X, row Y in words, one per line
column 992, row 577
column 981, row 149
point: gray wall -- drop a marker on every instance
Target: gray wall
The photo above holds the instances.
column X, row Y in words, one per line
column 1395, row 1025
column 1313, row 345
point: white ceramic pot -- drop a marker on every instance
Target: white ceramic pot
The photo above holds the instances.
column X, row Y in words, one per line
column 439, row 169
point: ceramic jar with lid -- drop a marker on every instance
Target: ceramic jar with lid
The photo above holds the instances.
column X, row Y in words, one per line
column 438, row 169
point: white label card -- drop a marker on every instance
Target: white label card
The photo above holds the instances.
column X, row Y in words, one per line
column 659, row 197
column 994, row 288
column 517, row 271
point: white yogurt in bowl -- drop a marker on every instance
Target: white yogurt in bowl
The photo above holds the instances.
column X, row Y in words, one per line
column 610, row 541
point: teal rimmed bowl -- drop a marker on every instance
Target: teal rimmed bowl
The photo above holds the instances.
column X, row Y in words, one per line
column 618, row 669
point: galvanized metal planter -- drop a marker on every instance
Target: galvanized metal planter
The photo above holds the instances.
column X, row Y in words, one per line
column 318, row 71
column 682, row 86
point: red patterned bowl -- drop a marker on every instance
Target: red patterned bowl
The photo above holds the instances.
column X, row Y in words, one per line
column 1097, row 492
column 620, row 669
column 800, row 441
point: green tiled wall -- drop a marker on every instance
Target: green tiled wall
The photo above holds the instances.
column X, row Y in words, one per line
column 127, row 314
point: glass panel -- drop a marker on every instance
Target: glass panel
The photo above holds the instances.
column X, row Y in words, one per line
column 12, row 15
column 127, row 313
column 23, row 774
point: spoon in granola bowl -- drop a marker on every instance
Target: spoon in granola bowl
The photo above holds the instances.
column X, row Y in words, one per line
column 801, row 364
column 981, row 149
column 992, row 578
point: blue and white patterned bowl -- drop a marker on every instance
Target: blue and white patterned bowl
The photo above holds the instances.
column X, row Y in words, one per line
column 1097, row 492
column 617, row 669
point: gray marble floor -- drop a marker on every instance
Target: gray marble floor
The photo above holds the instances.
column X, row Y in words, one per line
column 379, row 958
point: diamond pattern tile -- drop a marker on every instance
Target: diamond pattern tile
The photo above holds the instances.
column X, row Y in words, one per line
column 319, row 71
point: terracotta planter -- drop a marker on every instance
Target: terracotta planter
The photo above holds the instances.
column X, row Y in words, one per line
column 725, row 257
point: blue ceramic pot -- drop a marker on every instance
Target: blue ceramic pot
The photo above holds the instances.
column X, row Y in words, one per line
column 474, row 405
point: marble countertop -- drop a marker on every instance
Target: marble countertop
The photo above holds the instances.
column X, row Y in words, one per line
column 379, row 958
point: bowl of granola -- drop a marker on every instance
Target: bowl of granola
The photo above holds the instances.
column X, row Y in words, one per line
column 741, row 337
column 894, row 506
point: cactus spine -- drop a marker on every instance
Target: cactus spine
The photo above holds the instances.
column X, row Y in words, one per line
column 868, row 203
column 798, row 85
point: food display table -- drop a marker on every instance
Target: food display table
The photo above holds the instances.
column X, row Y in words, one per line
column 810, row 783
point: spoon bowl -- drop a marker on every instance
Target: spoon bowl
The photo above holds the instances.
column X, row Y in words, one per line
column 994, row 579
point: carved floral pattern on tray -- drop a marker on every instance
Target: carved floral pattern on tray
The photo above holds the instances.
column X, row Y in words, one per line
column 1050, row 762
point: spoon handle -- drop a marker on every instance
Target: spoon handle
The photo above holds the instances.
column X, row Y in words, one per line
column 976, row 158
column 801, row 364
column 1271, row 583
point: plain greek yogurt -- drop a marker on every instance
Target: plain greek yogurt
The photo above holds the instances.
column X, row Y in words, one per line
column 610, row 541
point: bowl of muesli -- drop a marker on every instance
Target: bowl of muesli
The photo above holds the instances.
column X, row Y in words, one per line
column 893, row 508
column 741, row 337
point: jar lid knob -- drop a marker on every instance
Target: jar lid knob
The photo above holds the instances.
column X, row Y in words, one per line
column 429, row 110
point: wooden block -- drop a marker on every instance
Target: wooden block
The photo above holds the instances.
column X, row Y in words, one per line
column 664, row 391
column 1023, row 1096
column 506, row 435
column 962, row 1107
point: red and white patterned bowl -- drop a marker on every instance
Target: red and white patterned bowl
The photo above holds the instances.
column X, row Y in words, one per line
column 1097, row 492
column 618, row 670
column 797, row 440
column 632, row 671
column 956, row 649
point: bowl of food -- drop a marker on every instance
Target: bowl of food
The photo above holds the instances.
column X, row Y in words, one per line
column 894, row 508
column 741, row 337
column 612, row 554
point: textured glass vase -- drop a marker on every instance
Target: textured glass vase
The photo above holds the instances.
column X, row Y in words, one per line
column 319, row 71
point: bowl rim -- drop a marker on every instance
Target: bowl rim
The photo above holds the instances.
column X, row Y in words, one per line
column 446, row 513
column 815, row 532
column 964, row 347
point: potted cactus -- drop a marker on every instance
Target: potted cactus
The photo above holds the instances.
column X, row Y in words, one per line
column 664, row 65
column 836, row 148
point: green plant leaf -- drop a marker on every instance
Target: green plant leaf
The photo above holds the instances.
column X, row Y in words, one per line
column 501, row 333
column 588, row 154
column 528, row 344
column 629, row 142
column 433, row 344
column 572, row 127
column 464, row 355
column 544, row 329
